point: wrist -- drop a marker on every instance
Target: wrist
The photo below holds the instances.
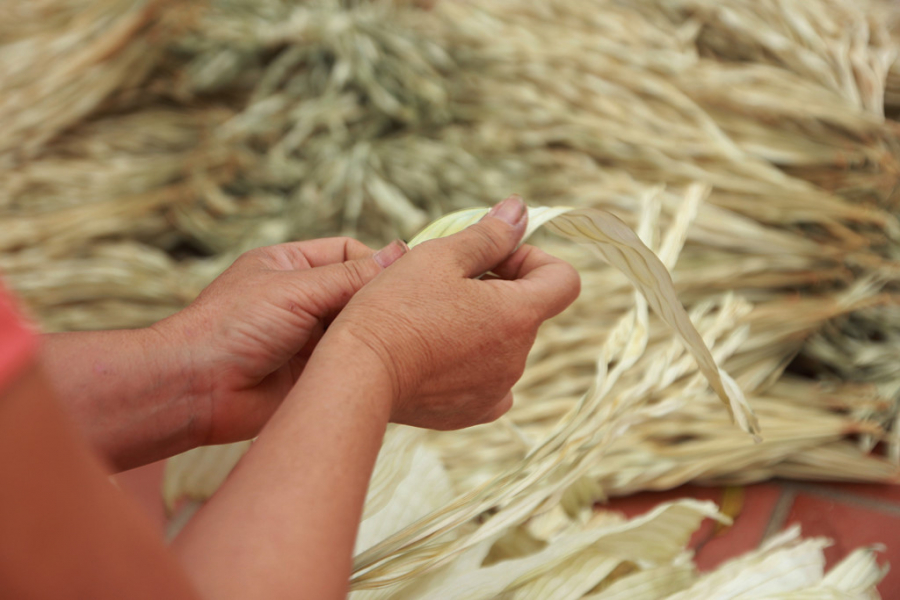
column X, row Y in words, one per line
column 124, row 392
column 173, row 363
column 343, row 357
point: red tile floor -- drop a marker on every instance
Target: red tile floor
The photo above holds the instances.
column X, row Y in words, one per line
column 852, row 515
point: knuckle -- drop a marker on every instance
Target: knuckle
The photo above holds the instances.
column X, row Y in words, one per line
column 572, row 277
column 564, row 292
column 524, row 318
column 427, row 256
column 479, row 243
column 496, row 411
column 514, row 371
column 354, row 248
column 354, row 273
column 250, row 257
column 487, row 240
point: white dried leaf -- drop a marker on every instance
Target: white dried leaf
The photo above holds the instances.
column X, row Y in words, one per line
column 650, row 584
column 654, row 538
column 416, row 484
column 622, row 249
column 783, row 564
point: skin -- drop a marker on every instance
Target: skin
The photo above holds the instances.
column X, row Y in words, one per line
column 216, row 371
column 66, row 532
column 315, row 347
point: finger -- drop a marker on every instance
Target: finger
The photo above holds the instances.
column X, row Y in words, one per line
column 315, row 336
column 329, row 251
column 327, row 289
column 527, row 263
column 499, row 409
column 311, row 253
column 479, row 247
column 548, row 283
column 525, row 259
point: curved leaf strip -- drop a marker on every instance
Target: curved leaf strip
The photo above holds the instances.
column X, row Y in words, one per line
column 624, row 250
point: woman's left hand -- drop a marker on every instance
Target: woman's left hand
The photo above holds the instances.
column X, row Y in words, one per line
column 246, row 338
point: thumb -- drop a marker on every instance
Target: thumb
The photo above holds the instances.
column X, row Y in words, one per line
column 481, row 247
column 333, row 285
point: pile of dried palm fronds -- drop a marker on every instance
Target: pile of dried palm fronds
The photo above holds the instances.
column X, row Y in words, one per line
column 143, row 145
column 587, row 554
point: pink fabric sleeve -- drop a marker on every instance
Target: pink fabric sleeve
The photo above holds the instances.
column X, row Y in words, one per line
column 18, row 341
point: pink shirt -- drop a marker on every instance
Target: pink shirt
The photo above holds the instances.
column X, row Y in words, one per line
column 18, row 342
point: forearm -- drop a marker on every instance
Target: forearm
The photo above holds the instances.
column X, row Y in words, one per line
column 67, row 532
column 285, row 522
column 126, row 392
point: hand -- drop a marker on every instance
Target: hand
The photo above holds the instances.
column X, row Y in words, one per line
column 248, row 335
column 451, row 345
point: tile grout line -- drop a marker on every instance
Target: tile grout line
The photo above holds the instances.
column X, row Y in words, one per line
column 780, row 513
column 846, row 497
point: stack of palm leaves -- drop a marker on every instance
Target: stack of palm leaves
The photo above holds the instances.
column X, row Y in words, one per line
column 145, row 144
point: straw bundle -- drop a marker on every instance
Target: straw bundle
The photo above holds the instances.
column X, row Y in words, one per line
column 745, row 141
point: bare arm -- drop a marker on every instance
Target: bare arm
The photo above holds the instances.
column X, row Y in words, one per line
column 67, row 532
column 126, row 391
column 422, row 344
column 284, row 525
column 216, row 371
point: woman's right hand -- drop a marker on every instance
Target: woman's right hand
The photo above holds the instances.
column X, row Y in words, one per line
column 452, row 345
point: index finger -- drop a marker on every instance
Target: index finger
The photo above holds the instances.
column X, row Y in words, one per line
column 550, row 283
column 309, row 254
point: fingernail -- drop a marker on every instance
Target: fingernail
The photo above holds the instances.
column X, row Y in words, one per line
column 390, row 253
column 510, row 210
